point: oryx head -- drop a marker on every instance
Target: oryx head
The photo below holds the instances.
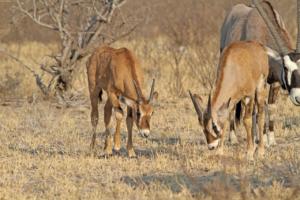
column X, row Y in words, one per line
column 141, row 108
column 213, row 125
column 290, row 77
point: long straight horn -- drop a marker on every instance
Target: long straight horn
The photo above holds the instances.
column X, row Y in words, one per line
column 152, row 91
column 138, row 92
column 196, row 105
column 209, row 106
column 298, row 21
column 283, row 49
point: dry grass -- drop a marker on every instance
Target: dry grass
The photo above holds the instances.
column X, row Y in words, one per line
column 44, row 155
column 44, row 148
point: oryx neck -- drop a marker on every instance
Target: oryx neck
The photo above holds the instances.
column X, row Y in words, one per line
column 219, row 98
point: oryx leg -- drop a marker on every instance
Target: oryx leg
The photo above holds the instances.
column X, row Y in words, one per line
column 117, row 135
column 273, row 95
column 94, row 95
column 118, row 116
column 220, row 150
column 261, row 95
column 129, row 124
column 112, row 103
column 247, row 120
column 235, row 119
column 108, row 127
column 254, row 125
column 232, row 128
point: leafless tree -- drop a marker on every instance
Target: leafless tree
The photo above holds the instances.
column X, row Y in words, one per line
column 81, row 26
column 190, row 32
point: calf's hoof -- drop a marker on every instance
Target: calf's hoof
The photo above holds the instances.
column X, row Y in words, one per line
column 271, row 139
column 250, row 155
column 260, row 153
column 131, row 153
column 232, row 138
column 117, row 149
column 108, row 152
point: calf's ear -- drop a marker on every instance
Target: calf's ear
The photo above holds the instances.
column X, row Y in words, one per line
column 127, row 101
column 224, row 109
column 154, row 97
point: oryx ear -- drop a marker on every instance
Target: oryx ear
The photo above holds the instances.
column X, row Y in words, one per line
column 224, row 109
column 129, row 102
column 154, row 97
column 289, row 64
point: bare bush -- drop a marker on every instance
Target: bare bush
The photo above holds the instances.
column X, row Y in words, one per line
column 178, row 75
column 81, row 26
column 202, row 65
column 185, row 30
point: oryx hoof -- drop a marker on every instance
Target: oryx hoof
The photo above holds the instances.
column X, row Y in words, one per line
column 271, row 139
column 232, row 138
column 250, row 155
column 117, row 151
column 260, row 153
column 131, row 153
column 108, row 152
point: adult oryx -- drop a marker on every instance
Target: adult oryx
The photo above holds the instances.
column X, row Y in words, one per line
column 118, row 72
column 241, row 76
column 266, row 26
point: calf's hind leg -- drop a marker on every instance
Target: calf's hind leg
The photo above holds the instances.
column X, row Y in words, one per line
column 261, row 95
column 273, row 95
column 108, row 127
column 94, row 116
column 112, row 103
column 248, row 126
column 232, row 128
column 129, row 123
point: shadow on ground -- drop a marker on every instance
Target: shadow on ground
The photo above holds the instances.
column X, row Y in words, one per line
column 176, row 182
column 207, row 184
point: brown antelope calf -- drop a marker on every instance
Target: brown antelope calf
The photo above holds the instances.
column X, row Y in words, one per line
column 241, row 76
column 264, row 24
column 118, row 72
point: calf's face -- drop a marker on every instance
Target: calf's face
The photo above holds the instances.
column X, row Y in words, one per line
column 142, row 112
column 212, row 126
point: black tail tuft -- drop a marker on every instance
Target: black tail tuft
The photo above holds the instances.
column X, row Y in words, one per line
column 238, row 112
column 100, row 95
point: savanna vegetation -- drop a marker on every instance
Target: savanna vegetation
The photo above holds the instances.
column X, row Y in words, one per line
column 44, row 140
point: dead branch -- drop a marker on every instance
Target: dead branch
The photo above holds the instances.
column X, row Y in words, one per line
column 81, row 26
column 38, row 79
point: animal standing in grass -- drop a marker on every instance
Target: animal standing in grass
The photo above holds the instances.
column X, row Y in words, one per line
column 241, row 76
column 266, row 26
column 118, row 72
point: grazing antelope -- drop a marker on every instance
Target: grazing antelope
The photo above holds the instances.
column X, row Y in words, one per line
column 118, row 72
column 241, row 76
column 266, row 26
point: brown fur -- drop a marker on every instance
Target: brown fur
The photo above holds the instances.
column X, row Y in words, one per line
column 241, row 76
column 245, row 23
column 117, row 72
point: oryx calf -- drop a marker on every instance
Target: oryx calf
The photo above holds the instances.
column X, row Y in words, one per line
column 241, row 76
column 265, row 25
column 118, row 72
